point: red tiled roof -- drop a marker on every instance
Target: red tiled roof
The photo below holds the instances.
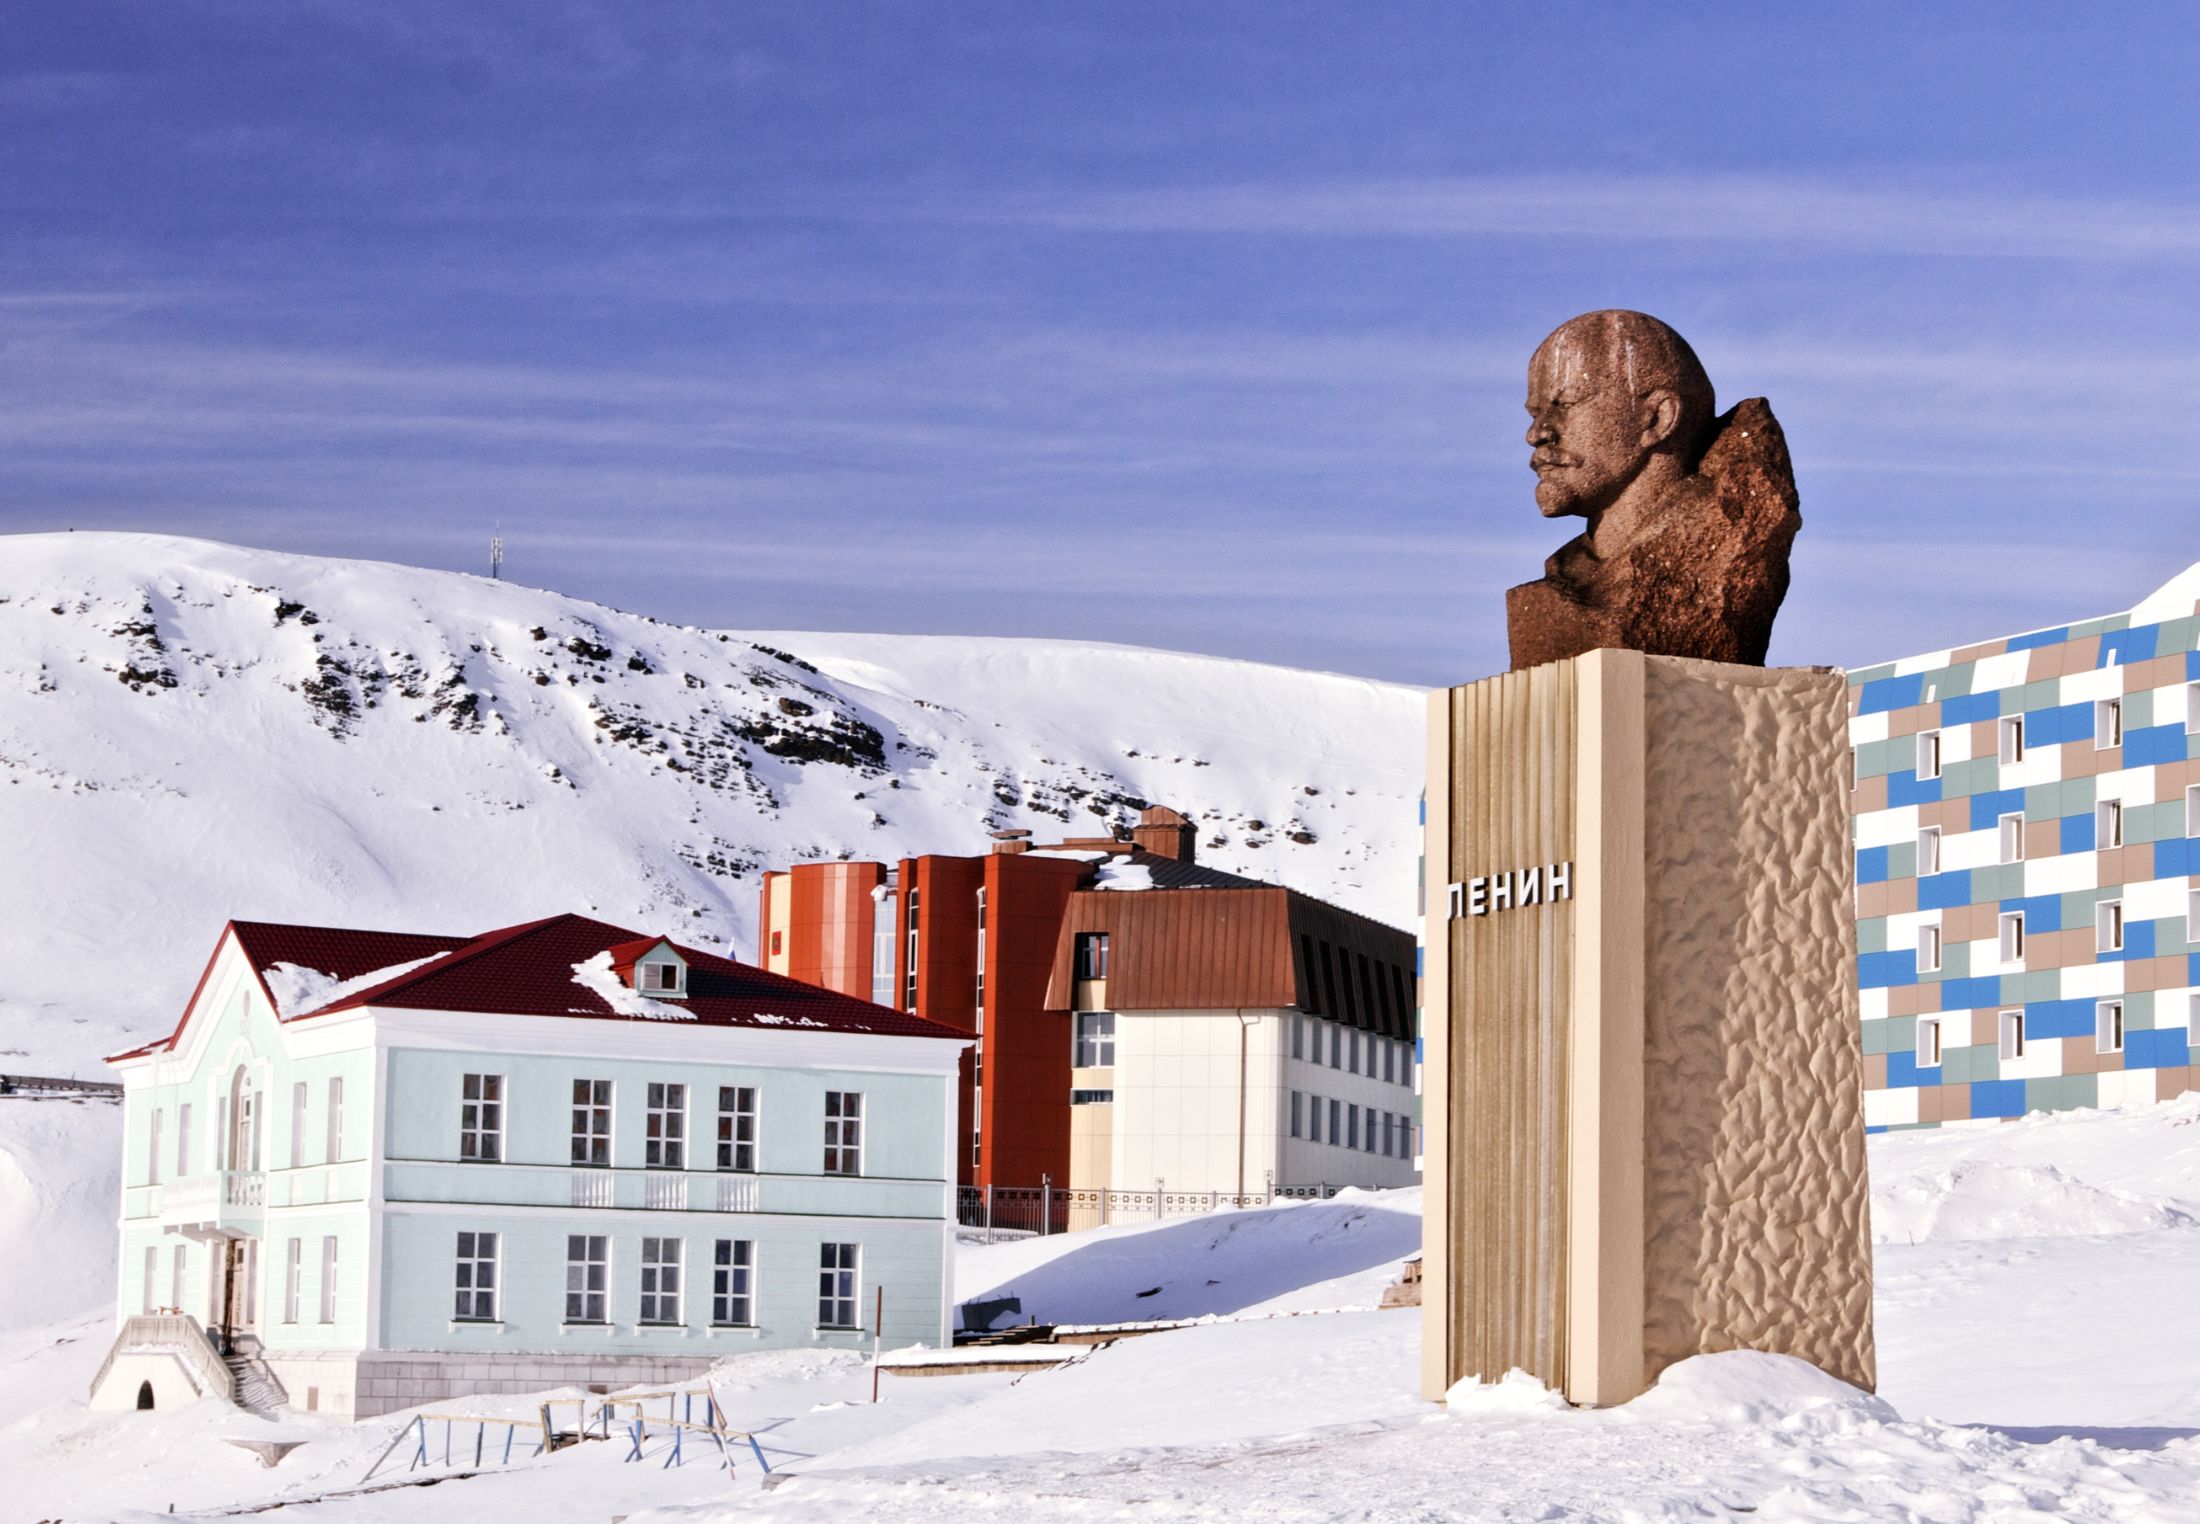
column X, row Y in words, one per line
column 527, row 970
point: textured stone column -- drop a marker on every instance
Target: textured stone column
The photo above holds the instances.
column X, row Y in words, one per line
column 1643, row 1092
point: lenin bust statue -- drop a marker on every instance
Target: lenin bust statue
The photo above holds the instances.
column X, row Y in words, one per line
column 1690, row 512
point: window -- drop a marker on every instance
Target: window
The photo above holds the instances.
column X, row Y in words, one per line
column 2012, row 739
column 2192, row 915
column 1336, row 1045
column 1351, row 1126
column 836, row 1286
column 476, row 1278
column 2012, row 1034
column 1390, row 1063
column 335, row 1119
column 981, row 960
column 2012, row 838
column 1076, row 1098
column 1352, row 1053
column 1928, row 754
column 152, row 1275
column 152, row 1149
column 660, row 1280
column 2012, row 936
column 844, row 1132
column 1928, row 851
column 2108, row 724
column 1390, row 1134
column 662, row 978
column 587, row 1277
column 2108, row 927
column 292, row 1255
column 882, row 949
column 2192, row 819
column 328, row 1279
column 1928, row 1042
column 1313, row 1000
column 2108, row 1027
column 298, row 1125
column 778, row 943
column 592, row 1122
column 1336, row 1121
column 1092, row 954
column 732, row 1275
column 912, row 961
column 175, row 1278
column 737, row 1127
column 2108, row 824
column 1928, row 949
column 664, row 1127
column 2192, row 708
column 1298, row 1035
column 481, row 1118
column 1095, row 1039
column 183, row 1139
column 1297, row 1106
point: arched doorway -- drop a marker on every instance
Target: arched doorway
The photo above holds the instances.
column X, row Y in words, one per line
column 145, row 1396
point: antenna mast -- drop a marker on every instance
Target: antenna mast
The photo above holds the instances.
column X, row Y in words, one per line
column 496, row 557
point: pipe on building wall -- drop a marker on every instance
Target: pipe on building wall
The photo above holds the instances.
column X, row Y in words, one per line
column 1245, row 1029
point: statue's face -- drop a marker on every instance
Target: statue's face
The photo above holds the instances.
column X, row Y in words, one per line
column 1586, row 425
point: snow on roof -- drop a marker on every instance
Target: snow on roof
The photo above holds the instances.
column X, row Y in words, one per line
column 299, row 991
column 1121, row 873
column 2174, row 599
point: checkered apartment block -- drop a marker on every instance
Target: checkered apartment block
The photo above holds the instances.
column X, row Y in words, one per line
column 2027, row 826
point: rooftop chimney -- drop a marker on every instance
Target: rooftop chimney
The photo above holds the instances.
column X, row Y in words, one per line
column 1165, row 833
column 1007, row 843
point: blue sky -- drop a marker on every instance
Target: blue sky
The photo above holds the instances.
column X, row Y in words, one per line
column 1201, row 326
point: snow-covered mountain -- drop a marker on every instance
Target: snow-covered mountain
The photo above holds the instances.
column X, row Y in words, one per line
column 192, row 731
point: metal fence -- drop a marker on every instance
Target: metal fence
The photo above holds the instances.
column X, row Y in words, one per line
column 1049, row 1208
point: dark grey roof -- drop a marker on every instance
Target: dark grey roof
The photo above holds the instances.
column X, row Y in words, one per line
column 1168, row 873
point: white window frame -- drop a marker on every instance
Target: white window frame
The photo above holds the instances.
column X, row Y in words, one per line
column 843, row 1132
column 591, row 1124
column 481, row 1119
column 2011, row 932
column 839, row 1285
column 2108, row 926
column 2010, row 739
column 2108, row 1026
column 2108, row 824
column 1928, row 754
column 885, row 940
column 1094, row 1042
column 475, row 1282
column 328, row 1278
column 298, row 1124
column 1928, row 949
column 661, row 977
column 1929, row 1042
column 659, row 1302
column 2012, row 1036
column 335, row 1119
column 152, row 1148
column 2108, row 723
column 664, row 1125
column 1928, row 851
column 293, row 1261
column 733, row 1283
column 587, row 1278
column 737, row 1129
column 2012, row 837
column 183, row 1139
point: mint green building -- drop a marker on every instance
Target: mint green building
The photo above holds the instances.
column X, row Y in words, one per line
column 370, row 1170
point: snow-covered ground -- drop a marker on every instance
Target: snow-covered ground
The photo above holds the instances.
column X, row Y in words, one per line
column 191, row 732
column 2039, row 1353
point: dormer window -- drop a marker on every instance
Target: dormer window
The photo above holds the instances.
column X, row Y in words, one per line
column 652, row 967
column 655, row 978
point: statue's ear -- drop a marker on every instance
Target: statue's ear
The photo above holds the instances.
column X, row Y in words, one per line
column 1661, row 415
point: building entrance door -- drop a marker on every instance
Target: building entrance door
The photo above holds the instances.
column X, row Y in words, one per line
column 240, row 1295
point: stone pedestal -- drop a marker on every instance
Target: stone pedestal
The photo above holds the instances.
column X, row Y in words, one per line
column 1643, row 1089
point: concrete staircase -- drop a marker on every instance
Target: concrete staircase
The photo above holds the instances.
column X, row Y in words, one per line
column 255, row 1385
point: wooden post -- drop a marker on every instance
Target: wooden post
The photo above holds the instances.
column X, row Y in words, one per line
column 878, row 1324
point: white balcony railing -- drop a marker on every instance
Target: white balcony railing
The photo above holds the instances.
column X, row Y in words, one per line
column 736, row 1193
column 592, row 1188
column 665, row 1192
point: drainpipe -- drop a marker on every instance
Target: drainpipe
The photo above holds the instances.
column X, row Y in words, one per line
column 1245, row 1028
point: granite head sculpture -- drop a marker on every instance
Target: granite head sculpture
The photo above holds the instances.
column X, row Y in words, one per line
column 1690, row 515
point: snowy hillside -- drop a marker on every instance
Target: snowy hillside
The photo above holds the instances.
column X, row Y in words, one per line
column 191, row 732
